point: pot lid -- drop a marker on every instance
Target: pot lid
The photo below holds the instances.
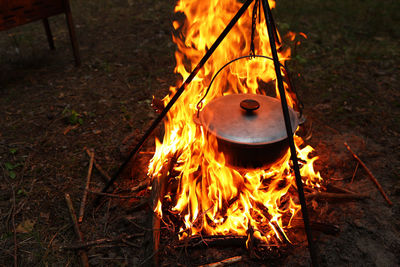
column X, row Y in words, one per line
column 247, row 119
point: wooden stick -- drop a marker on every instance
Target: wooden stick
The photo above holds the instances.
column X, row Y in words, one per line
column 354, row 173
column 371, row 176
column 101, row 241
column 103, row 173
column 224, row 262
column 147, row 152
column 69, row 128
column 158, row 189
column 84, row 257
column 111, row 195
column 342, row 196
column 84, row 197
column 336, row 189
column 213, row 241
column 142, row 185
column 250, row 243
column 14, row 230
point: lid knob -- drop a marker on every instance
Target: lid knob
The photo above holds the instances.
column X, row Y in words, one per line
column 249, row 105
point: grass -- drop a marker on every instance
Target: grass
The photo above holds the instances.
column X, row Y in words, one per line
column 351, row 54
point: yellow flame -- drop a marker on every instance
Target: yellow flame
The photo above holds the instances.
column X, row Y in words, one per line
column 213, row 198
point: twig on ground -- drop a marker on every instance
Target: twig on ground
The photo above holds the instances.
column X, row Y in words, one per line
column 224, row 262
column 107, row 215
column 336, row 189
column 103, row 173
column 84, row 197
column 142, row 185
column 147, row 152
column 371, row 176
column 70, row 128
column 131, row 220
column 354, row 173
column 102, row 241
column 341, row 196
column 48, row 248
column 84, row 257
column 112, row 195
column 14, row 229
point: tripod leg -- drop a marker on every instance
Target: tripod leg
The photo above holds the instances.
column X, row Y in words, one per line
column 296, row 169
column 179, row 92
column 272, row 22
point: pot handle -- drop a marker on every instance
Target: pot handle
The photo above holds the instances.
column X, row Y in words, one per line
column 200, row 103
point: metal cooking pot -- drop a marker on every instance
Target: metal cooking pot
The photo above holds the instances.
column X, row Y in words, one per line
column 249, row 128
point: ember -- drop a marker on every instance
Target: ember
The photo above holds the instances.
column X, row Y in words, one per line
column 206, row 195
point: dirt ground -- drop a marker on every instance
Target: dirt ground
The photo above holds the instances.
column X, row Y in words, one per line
column 50, row 111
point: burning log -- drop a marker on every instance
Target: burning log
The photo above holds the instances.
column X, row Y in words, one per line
column 212, row 241
column 158, row 189
column 224, row 262
column 83, row 255
column 371, row 176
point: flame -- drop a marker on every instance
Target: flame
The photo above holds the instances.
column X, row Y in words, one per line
column 212, row 198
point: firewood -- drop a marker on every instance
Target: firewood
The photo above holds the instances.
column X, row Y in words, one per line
column 212, row 241
column 158, row 188
column 84, row 197
column 224, row 262
column 103, row 173
column 78, row 233
column 370, row 175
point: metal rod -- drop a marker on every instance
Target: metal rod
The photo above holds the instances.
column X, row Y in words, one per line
column 272, row 22
column 299, row 183
column 179, row 92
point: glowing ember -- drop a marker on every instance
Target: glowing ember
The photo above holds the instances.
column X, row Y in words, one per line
column 212, row 198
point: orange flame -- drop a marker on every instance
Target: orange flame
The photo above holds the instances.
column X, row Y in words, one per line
column 211, row 197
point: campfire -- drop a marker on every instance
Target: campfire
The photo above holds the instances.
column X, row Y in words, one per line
column 201, row 192
column 230, row 168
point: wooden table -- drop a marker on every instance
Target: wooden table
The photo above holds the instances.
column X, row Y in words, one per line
column 18, row 12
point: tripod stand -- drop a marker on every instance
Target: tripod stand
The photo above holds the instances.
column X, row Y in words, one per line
column 273, row 39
